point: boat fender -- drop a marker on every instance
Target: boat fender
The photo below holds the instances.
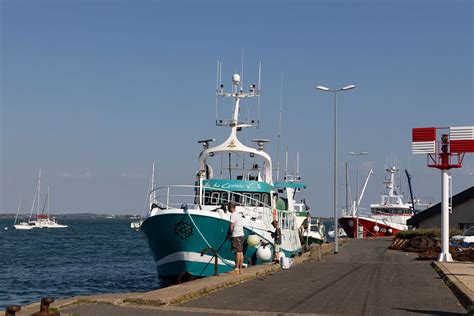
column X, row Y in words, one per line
column 253, row 240
column 389, row 231
column 274, row 213
column 376, row 229
column 264, row 253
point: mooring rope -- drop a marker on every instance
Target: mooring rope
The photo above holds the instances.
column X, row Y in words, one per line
column 205, row 240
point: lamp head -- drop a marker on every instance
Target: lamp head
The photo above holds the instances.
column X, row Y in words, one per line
column 323, row 88
column 349, row 87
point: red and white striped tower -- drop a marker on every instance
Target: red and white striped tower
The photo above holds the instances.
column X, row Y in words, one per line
column 445, row 154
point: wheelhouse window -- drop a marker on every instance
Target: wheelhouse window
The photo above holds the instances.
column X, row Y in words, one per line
column 241, row 198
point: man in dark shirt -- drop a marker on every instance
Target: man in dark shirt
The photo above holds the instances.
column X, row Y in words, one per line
column 277, row 238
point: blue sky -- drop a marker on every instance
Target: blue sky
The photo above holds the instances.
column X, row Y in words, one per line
column 94, row 91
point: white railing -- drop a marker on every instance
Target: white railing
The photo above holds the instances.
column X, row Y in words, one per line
column 175, row 196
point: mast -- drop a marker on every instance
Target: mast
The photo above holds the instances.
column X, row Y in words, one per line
column 153, row 181
column 48, row 201
column 347, row 190
column 279, row 127
column 33, row 204
column 297, row 164
column 18, row 209
column 39, row 192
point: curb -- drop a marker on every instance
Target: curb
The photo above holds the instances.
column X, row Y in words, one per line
column 180, row 293
column 463, row 294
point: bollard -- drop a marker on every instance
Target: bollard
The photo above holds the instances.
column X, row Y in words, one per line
column 315, row 252
column 44, row 308
column 11, row 310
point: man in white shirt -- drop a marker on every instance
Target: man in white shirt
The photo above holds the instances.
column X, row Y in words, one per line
column 236, row 231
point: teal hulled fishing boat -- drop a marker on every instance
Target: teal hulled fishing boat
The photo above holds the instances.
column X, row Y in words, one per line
column 187, row 225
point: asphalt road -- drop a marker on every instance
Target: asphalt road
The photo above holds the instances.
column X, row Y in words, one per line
column 364, row 278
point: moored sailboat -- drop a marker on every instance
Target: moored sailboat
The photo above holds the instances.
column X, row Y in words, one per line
column 42, row 218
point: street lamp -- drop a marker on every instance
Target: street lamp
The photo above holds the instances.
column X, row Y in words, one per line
column 335, row 91
column 362, row 153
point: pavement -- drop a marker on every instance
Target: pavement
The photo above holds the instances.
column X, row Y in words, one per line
column 459, row 276
column 364, row 278
column 111, row 304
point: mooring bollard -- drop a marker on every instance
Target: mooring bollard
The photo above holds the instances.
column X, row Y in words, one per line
column 11, row 310
column 315, row 252
column 44, row 308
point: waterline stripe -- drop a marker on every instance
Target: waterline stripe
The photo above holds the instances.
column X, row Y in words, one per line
column 190, row 256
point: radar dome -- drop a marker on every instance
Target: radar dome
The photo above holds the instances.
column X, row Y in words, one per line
column 236, row 79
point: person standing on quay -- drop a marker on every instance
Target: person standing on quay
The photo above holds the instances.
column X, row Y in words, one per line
column 236, row 231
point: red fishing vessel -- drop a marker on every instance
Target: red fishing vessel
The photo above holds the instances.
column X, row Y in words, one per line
column 387, row 218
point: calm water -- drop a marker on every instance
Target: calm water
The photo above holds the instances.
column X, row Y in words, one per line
column 91, row 256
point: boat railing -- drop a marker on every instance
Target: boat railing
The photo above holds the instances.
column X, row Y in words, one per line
column 175, row 196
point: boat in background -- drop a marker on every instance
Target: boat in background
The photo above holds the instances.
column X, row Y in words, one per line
column 387, row 218
column 151, row 186
column 42, row 219
column 21, row 225
column 311, row 229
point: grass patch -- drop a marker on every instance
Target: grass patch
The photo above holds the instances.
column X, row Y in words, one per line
column 426, row 232
column 78, row 302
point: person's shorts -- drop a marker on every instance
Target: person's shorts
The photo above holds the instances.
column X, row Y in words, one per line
column 237, row 244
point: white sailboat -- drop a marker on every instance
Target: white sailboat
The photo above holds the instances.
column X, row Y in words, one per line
column 21, row 225
column 41, row 220
column 44, row 220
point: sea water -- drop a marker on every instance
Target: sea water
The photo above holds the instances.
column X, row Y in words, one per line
column 91, row 256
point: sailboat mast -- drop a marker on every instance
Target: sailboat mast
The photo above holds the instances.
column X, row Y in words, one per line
column 34, row 201
column 18, row 209
column 153, row 182
column 39, row 192
column 48, row 201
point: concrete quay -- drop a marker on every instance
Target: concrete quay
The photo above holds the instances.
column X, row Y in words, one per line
column 111, row 304
column 365, row 278
column 459, row 276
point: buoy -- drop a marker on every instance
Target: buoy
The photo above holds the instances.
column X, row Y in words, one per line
column 253, row 240
column 264, row 253
column 376, row 229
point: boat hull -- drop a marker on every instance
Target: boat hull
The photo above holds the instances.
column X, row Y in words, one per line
column 23, row 227
column 176, row 241
column 372, row 227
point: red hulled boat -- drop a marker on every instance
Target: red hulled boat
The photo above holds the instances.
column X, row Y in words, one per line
column 387, row 218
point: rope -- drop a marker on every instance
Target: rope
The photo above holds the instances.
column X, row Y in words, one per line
column 205, row 240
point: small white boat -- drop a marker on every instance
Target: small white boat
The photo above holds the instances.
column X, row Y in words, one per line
column 136, row 225
column 342, row 233
column 21, row 225
column 41, row 220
